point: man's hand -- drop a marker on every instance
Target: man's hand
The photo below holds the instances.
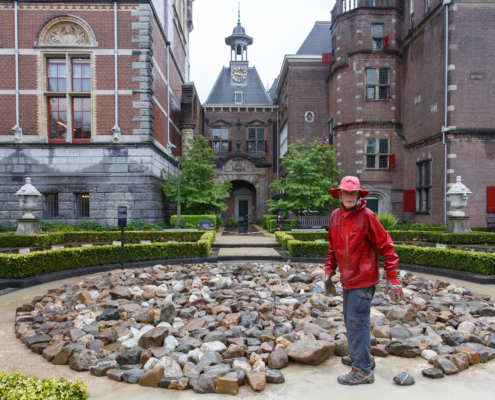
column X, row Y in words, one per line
column 329, row 286
column 396, row 287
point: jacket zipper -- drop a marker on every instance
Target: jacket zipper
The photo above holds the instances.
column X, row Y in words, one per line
column 347, row 244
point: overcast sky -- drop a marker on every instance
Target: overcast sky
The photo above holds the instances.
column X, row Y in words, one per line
column 278, row 27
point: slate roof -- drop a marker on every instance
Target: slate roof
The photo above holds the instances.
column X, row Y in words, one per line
column 223, row 90
column 318, row 41
column 273, row 91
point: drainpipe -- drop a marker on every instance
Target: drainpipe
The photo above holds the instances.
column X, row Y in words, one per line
column 278, row 140
column 16, row 129
column 116, row 129
column 170, row 146
column 445, row 127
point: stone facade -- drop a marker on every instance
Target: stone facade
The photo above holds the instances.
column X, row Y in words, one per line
column 120, row 162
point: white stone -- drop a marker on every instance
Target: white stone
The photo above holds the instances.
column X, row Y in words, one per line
column 145, row 304
column 134, row 341
column 242, row 365
column 375, row 313
column 150, row 364
column 172, row 368
column 286, row 289
column 408, row 292
column 419, row 300
column 213, row 346
column 179, row 286
column 192, row 298
column 94, row 294
column 259, row 366
column 431, row 338
column 170, row 343
column 466, row 326
column 451, row 288
column 197, row 282
column 427, row 354
column 288, row 302
column 85, row 339
column 136, row 291
column 195, row 355
column 164, row 324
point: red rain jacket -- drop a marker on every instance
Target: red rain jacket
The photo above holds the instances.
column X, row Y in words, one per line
column 355, row 238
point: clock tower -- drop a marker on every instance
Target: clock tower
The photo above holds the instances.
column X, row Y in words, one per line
column 239, row 43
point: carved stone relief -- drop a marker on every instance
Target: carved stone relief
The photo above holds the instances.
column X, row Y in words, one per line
column 238, row 165
column 67, row 34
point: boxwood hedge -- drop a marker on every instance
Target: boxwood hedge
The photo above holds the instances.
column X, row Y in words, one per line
column 194, row 220
column 48, row 239
column 267, row 219
column 444, row 238
column 19, row 387
column 16, row 266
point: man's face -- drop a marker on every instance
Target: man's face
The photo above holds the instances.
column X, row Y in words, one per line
column 349, row 199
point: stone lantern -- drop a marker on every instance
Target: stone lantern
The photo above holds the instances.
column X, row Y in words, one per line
column 458, row 195
column 28, row 224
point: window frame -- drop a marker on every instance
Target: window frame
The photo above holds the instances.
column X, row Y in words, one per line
column 377, row 85
column 256, row 140
column 377, row 154
column 69, row 94
column 427, row 5
column 235, row 97
column 75, row 61
column 50, row 61
column 46, row 214
column 375, row 38
column 49, row 107
column 220, row 141
column 423, row 188
column 78, row 214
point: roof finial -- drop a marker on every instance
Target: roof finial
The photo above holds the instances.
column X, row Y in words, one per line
column 239, row 14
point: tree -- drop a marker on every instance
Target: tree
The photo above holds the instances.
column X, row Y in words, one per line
column 311, row 172
column 198, row 193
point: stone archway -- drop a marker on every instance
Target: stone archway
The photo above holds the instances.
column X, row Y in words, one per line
column 242, row 168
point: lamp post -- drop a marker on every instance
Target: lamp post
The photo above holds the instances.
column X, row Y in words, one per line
column 177, row 159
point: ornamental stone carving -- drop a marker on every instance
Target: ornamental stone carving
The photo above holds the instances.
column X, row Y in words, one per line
column 66, row 31
column 238, row 165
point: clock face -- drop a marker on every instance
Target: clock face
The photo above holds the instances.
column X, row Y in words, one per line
column 239, row 74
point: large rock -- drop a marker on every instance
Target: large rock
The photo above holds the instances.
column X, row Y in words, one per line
column 403, row 349
column 433, row 373
column 278, row 359
column 404, row 379
column 121, row 292
column 461, row 361
column 177, row 383
column 152, row 377
column 218, row 347
column 400, row 332
column 171, row 367
column 445, row 365
column 206, row 384
column 208, row 359
column 257, row 380
column 403, row 314
column 227, row 385
column 235, row 351
column 341, row 347
column 274, row 376
column 132, row 376
column 110, row 314
column 168, row 314
column 101, row 368
column 130, row 357
column 37, row 340
column 382, row 332
column 153, row 338
column 472, row 355
column 193, row 325
column 82, row 360
column 312, row 352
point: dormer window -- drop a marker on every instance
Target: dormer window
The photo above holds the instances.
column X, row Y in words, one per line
column 238, row 97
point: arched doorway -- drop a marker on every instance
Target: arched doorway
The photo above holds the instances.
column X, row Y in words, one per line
column 242, row 201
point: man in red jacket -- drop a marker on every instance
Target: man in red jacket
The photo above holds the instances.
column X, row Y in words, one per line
column 356, row 237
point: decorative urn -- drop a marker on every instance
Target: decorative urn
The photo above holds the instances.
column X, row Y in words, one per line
column 28, row 195
column 458, row 195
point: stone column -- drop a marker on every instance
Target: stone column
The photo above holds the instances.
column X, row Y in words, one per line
column 187, row 133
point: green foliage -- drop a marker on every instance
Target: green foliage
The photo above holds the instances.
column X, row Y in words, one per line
column 388, row 220
column 193, row 220
column 311, row 174
column 198, row 193
column 297, row 248
column 267, row 218
column 48, row 239
column 16, row 266
column 273, row 224
column 232, row 222
column 219, row 222
column 143, row 226
column 444, row 238
column 4, row 228
column 19, row 387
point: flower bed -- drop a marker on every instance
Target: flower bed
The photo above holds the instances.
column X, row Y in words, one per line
column 18, row 266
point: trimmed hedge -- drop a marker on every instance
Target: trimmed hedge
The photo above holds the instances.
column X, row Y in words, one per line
column 479, row 263
column 194, row 219
column 444, row 238
column 48, row 239
column 273, row 224
column 267, row 219
column 19, row 387
column 16, row 266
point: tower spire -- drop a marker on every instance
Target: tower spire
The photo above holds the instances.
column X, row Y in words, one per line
column 239, row 14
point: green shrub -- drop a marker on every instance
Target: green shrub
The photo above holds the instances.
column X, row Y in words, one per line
column 48, row 239
column 266, row 219
column 194, row 220
column 4, row 228
column 219, row 222
column 232, row 222
column 16, row 266
column 444, row 238
column 388, row 220
column 142, row 226
column 273, row 224
column 297, row 248
column 19, row 387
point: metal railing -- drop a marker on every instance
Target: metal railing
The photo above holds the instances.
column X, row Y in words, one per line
column 305, row 221
column 50, row 205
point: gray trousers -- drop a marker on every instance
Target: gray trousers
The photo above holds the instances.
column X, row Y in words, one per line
column 357, row 304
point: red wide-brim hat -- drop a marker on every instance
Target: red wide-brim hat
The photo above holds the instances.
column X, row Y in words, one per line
column 349, row 183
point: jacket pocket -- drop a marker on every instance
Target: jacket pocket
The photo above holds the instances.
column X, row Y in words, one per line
column 363, row 301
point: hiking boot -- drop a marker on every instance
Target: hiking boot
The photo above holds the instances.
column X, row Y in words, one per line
column 356, row 377
column 347, row 360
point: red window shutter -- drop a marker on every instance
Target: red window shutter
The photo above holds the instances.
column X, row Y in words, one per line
column 326, row 57
column 266, row 146
column 386, row 41
column 490, row 199
column 389, row 92
column 391, row 160
column 211, row 144
column 247, row 145
column 412, row 20
column 409, row 200
column 230, row 145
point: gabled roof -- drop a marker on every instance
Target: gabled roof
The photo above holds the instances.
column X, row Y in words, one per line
column 318, row 41
column 223, row 90
column 272, row 92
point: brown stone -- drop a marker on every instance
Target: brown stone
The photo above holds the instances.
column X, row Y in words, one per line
column 472, row 355
column 145, row 356
column 115, row 374
column 220, row 309
column 257, row 380
column 153, row 338
column 228, row 385
column 152, row 377
column 378, row 351
column 159, row 352
column 148, row 294
column 193, row 325
column 312, row 352
column 231, row 319
column 278, row 359
column 382, row 332
column 235, row 351
column 120, row 292
column 461, row 361
column 83, row 297
column 51, row 351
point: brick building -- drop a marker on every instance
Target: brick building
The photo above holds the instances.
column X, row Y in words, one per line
column 240, row 123
column 408, row 108
column 91, row 99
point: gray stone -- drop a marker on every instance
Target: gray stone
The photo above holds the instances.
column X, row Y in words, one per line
column 404, row 379
column 403, row 349
column 132, row 376
column 433, row 373
column 400, row 332
column 274, row 376
column 445, row 365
